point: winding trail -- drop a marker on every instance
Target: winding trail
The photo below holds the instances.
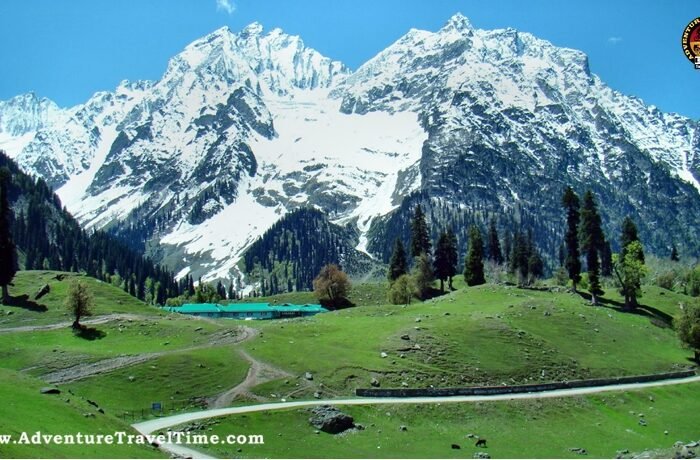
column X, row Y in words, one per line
column 85, row 370
column 87, row 322
column 258, row 372
column 150, row 426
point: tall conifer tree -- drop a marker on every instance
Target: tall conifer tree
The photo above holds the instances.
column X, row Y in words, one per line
column 420, row 236
column 445, row 263
column 398, row 265
column 474, row 262
column 629, row 234
column 572, row 260
column 8, row 252
column 592, row 240
column 452, row 256
column 494, row 245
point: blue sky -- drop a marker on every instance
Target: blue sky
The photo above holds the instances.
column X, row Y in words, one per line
column 67, row 50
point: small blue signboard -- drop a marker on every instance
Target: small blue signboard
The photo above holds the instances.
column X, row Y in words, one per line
column 156, row 406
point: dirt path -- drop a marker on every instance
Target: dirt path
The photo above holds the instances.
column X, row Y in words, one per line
column 151, row 426
column 258, row 373
column 87, row 322
column 85, row 370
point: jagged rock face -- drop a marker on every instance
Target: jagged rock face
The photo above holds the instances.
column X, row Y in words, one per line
column 27, row 113
column 244, row 127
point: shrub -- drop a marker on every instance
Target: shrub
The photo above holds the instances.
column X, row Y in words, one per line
column 402, row 289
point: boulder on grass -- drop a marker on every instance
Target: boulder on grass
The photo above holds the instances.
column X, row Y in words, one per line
column 330, row 419
column 45, row 289
column 50, row 391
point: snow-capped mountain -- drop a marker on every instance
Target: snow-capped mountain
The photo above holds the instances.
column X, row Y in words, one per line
column 22, row 116
column 244, row 127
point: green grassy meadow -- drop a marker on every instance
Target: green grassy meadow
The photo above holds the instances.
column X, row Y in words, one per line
column 181, row 380
column 487, row 335
column 26, row 410
column 602, row 424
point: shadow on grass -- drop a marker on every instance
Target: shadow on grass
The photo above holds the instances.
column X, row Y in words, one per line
column 337, row 304
column 89, row 333
column 656, row 316
column 23, row 301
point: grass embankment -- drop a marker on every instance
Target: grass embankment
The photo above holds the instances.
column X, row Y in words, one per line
column 26, row 410
column 189, row 359
column 50, row 309
column 42, row 351
column 360, row 294
column 485, row 335
column 179, row 381
column 549, row 428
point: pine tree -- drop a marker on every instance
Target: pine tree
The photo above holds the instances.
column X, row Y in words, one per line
column 441, row 264
column 420, row 236
column 220, row 289
column 494, row 246
column 592, row 240
column 535, row 265
column 674, row 253
column 570, row 202
column 520, row 258
column 8, row 251
column 629, row 234
column 508, row 247
column 398, row 265
column 452, row 256
column 561, row 255
column 190, row 285
column 231, row 291
column 606, row 264
column 474, row 262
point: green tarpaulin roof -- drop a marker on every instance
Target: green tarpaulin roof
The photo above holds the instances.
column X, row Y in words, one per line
column 192, row 308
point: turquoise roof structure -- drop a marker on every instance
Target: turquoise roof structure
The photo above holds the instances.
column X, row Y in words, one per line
column 241, row 309
column 197, row 308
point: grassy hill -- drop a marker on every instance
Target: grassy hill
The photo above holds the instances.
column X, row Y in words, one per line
column 490, row 334
column 485, row 335
column 178, row 361
column 50, row 309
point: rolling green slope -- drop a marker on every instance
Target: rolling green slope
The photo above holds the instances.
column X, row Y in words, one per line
column 26, row 410
column 474, row 336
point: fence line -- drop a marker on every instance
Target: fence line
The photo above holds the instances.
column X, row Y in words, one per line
column 506, row 389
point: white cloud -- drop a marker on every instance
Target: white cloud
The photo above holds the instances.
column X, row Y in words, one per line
column 225, row 5
column 614, row 40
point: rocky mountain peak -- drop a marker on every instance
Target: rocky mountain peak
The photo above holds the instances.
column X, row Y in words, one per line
column 247, row 124
column 458, row 23
column 26, row 113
